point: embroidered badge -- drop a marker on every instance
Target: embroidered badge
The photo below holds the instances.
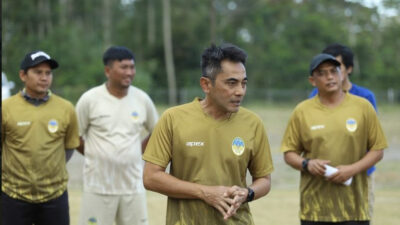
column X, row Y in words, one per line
column 351, row 124
column 238, row 146
column 92, row 221
column 135, row 115
column 52, row 126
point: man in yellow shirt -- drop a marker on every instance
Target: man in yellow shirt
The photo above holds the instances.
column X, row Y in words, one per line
column 334, row 128
column 37, row 129
column 210, row 143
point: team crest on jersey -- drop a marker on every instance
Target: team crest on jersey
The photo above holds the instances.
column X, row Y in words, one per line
column 92, row 221
column 135, row 115
column 52, row 126
column 238, row 146
column 351, row 124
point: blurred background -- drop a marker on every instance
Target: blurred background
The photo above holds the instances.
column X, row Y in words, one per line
column 168, row 37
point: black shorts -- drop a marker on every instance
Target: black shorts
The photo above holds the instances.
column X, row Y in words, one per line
column 18, row 212
column 304, row 222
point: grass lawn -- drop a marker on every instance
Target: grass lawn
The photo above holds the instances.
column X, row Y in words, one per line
column 281, row 206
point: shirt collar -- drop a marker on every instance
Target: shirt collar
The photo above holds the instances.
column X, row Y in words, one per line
column 35, row 101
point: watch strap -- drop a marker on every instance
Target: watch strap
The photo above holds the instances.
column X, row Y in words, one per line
column 250, row 195
column 304, row 165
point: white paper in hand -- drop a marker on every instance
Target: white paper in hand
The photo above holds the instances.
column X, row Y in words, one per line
column 329, row 170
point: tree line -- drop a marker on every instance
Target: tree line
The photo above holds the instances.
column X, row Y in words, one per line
column 168, row 38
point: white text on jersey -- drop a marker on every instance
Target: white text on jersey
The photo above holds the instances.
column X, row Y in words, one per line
column 194, row 143
column 317, row 127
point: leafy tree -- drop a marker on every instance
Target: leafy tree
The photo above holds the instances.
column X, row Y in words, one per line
column 280, row 38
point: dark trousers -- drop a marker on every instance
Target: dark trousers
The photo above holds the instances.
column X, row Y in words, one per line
column 18, row 212
column 303, row 222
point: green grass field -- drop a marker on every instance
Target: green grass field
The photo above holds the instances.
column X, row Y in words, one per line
column 281, row 205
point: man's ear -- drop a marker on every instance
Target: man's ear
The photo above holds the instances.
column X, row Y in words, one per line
column 205, row 84
column 312, row 81
column 349, row 70
column 107, row 71
column 22, row 75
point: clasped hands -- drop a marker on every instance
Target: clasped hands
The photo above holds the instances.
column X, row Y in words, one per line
column 317, row 168
column 225, row 199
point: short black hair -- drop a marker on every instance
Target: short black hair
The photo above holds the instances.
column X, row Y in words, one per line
column 337, row 49
column 213, row 56
column 117, row 53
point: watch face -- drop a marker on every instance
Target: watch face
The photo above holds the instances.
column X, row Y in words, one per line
column 250, row 195
column 304, row 164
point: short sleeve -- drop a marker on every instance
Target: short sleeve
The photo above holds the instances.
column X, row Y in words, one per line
column 376, row 136
column 152, row 115
column 72, row 134
column 159, row 147
column 3, row 123
column 291, row 139
column 82, row 114
column 261, row 162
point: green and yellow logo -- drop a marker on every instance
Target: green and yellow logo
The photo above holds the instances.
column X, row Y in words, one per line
column 238, row 146
column 92, row 221
column 52, row 126
column 351, row 124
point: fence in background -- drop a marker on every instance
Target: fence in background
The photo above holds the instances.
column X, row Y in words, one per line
column 291, row 96
column 160, row 96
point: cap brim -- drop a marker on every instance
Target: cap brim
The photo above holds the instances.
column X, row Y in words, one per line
column 53, row 63
column 334, row 61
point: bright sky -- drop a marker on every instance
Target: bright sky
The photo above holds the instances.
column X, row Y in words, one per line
column 385, row 11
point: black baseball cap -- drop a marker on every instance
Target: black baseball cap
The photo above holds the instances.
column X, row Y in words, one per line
column 36, row 57
column 320, row 58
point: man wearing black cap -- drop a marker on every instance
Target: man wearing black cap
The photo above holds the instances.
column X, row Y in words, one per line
column 37, row 129
column 345, row 56
column 331, row 132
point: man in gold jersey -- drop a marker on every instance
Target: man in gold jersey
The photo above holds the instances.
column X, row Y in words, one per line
column 37, row 129
column 333, row 129
column 210, row 143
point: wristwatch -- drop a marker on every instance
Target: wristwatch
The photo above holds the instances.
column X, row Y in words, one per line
column 250, row 195
column 304, row 165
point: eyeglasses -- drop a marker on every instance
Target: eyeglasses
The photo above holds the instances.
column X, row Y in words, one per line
column 334, row 71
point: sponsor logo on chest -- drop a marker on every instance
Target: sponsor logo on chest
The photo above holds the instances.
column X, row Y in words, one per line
column 238, row 145
column 317, row 127
column 23, row 123
column 52, row 125
column 351, row 125
column 195, row 143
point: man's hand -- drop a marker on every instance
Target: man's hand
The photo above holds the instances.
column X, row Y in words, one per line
column 344, row 173
column 239, row 196
column 317, row 166
column 218, row 197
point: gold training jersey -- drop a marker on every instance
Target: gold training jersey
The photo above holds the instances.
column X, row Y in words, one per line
column 209, row 152
column 342, row 135
column 34, row 139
